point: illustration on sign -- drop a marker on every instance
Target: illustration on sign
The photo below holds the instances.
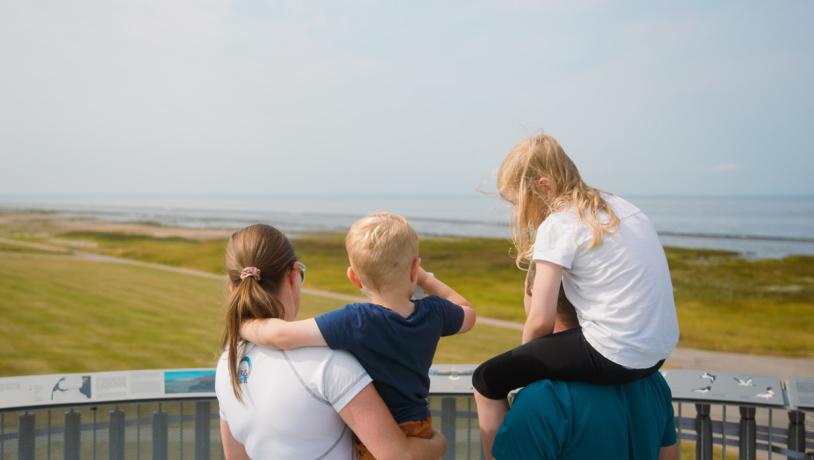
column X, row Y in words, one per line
column 71, row 388
column 189, row 382
column 747, row 382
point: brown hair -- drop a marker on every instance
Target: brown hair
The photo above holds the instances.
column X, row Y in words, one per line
column 381, row 246
column 539, row 157
column 266, row 248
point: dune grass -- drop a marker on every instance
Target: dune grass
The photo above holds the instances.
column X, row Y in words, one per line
column 62, row 314
column 725, row 302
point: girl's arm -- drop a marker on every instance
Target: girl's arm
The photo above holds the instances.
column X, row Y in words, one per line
column 285, row 335
column 232, row 450
column 433, row 286
column 371, row 421
column 542, row 311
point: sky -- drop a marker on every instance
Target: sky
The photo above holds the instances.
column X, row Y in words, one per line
column 420, row 97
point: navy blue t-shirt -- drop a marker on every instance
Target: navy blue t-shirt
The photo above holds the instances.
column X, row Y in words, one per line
column 396, row 351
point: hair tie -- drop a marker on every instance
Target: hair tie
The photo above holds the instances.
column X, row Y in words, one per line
column 247, row 272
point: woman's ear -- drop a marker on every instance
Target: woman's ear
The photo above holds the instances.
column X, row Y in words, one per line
column 353, row 278
column 231, row 287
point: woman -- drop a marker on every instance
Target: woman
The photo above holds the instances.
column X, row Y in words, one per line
column 299, row 403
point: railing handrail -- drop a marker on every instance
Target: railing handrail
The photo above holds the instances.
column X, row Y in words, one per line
column 154, row 385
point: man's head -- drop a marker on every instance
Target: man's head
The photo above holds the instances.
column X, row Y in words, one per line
column 383, row 253
column 566, row 314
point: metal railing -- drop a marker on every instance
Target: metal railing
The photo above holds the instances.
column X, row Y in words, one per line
column 170, row 422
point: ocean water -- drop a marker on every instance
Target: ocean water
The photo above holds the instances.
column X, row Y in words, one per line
column 754, row 226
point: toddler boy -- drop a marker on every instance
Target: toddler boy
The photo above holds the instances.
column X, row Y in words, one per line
column 392, row 336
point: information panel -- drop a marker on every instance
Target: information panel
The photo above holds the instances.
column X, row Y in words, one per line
column 722, row 387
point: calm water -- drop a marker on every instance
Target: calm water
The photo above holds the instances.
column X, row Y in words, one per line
column 754, row 226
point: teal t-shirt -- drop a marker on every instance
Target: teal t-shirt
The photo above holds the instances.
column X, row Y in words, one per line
column 577, row 420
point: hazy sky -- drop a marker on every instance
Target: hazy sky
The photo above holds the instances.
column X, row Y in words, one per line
column 198, row 96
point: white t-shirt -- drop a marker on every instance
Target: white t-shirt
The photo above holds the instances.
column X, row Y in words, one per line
column 291, row 401
column 621, row 289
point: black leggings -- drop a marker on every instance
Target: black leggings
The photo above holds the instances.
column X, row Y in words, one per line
column 562, row 356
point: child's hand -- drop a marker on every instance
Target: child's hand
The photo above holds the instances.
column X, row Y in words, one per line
column 250, row 330
column 422, row 277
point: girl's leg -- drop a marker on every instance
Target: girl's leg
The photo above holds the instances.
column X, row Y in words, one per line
column 561, row 356
column 495, row 378
column 490, row 416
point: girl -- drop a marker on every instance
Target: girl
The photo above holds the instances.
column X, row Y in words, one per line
column 612, row 266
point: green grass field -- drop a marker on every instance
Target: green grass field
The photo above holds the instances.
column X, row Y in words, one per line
column 725, row 302
column 62, row 314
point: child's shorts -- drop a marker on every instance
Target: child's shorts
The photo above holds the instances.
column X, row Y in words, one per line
column 417, row 429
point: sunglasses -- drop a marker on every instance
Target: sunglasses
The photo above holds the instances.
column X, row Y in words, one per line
column 301, row 267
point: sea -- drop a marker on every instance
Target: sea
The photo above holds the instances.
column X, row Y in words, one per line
column 754, row 226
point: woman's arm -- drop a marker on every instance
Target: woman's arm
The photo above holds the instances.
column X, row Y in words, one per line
column 370, row 419
column 232, row 450
column 542, row 312
column 282, row 334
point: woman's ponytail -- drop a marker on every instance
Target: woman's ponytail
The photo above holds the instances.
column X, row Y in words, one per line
column 257, row 259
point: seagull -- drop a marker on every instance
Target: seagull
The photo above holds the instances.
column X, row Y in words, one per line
column 708, row 376
column 768, row 394
column 705, row 389
column 744, row 383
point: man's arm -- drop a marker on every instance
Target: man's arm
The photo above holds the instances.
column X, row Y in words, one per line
column 669, row 452
column 433, row 286
column 371, row 421
column 282, row 334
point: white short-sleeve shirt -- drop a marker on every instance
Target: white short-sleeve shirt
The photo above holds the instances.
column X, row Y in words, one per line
column 291, row 401
column 621, row 290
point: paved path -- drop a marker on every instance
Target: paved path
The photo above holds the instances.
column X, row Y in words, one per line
column 688, row 358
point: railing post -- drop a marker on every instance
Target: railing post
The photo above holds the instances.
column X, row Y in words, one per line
column 115, row 437
column 202, row 427
column 703, row 429
column 797, row 431
column 160, row 435
column 25, row 442
column 448, row 417
column 748, row 434
column 73, row 431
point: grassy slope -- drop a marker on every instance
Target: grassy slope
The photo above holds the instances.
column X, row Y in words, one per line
column 60, row 314
column 724, row 302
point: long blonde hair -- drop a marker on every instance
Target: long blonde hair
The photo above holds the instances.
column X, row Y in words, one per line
column 537, row 157
column 266, row 248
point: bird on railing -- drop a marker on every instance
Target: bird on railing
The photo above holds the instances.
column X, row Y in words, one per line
column 768, row 394
column 744, row 383
column 708, row 376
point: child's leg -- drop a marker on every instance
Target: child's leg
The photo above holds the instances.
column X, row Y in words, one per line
column 490, row 416
column 561, row 356
column 417, row 429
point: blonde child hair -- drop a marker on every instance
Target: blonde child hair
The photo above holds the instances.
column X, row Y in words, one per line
column 381, row 248
column 518, row 182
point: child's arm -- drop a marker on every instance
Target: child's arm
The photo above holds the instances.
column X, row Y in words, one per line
column 543, row 309
column 433, row 286
column 283, row 334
